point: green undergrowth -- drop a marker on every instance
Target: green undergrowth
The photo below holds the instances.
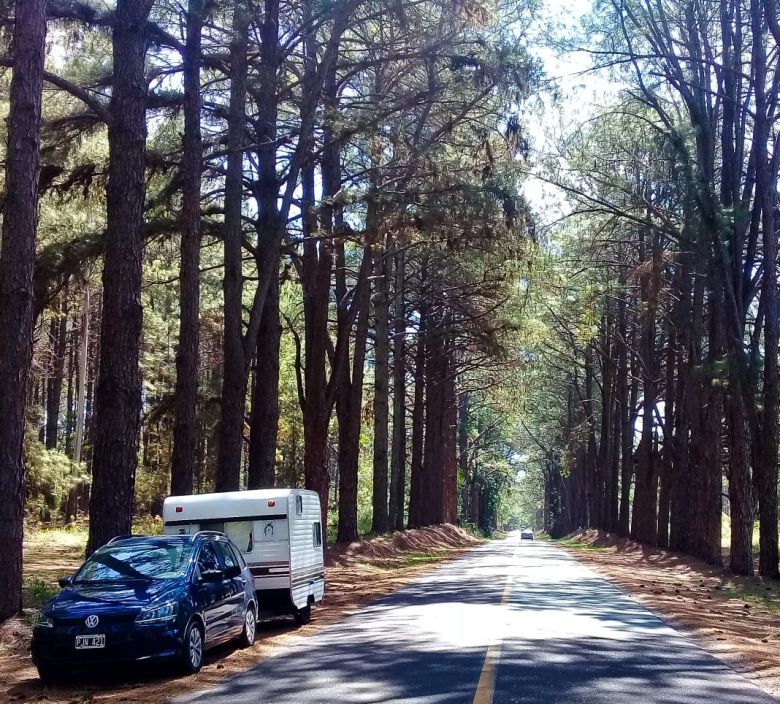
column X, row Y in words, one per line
column 412, row 559
column 415, row 559
column 74, row 535
column 763, row 594
column 476, row 532
column 38, row 590
column 581, row 547
column 63, row 537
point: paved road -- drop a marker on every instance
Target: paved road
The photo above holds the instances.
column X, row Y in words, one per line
column 510, row 622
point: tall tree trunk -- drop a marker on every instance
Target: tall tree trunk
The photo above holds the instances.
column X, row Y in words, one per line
column 416, row 468
column 450, row 445
column 667, row 456
column 607, row 412
column 316, row 269
column 349, row 406
column 69, row 394
column 82, row 371
column 740, row 487
column 437, row 419
column 234, row 377
column 592, row 468
column 17, row 261
column 687, row 320
column 185, row 425
column 706, row 473
column 644, row 526
column 620, row 417
column 469, row 477
column 264, row 420
column 626, row 396
column 59, row 336
column 398, row 458
column 766, row 199
column 379, row 521
column 118, row 395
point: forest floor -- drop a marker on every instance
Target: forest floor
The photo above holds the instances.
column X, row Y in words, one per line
column 735, row 618
column 355, row 575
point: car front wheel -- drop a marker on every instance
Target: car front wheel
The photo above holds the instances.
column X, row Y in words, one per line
column 50, row 674
column 192, row 653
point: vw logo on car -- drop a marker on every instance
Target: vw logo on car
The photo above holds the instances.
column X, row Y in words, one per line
column 92, row 621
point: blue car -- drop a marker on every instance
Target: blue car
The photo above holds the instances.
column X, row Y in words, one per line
column 148, row 598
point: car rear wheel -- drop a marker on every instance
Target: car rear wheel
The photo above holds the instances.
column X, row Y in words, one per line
column 247, row 638
column 303, row 616
column 192, row 653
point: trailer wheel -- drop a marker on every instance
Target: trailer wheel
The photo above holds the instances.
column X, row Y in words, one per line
column 303, row 616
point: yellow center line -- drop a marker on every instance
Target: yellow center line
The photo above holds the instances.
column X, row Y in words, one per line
column 486, row 687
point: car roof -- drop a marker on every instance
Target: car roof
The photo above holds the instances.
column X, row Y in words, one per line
column 150, row 540
column 198, row 537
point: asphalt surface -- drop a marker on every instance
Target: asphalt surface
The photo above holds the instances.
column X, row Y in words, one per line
column 509, row 622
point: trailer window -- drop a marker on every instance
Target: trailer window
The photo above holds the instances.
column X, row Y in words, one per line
column 242, row 534
column 316, row 530
column 217, row 526
column 299, row 504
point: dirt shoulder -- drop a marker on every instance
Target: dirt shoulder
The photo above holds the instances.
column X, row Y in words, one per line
column 356, row 574
column 735, row 618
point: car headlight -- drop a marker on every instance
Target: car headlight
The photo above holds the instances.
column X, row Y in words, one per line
column 43, row 620
column 160, row 613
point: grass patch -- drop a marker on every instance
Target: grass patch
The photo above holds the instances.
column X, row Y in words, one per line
column 582, row 547
column 62, row 537
column 405, row 561
column 767, row 596
column 415, row 559
column 37, row 591
column 75, row 535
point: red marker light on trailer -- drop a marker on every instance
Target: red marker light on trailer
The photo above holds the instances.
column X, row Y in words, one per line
column 179, row 509
column 271, row 503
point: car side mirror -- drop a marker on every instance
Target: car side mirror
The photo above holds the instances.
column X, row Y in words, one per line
column 211, row 575
column 64, row 582
column 232, row 572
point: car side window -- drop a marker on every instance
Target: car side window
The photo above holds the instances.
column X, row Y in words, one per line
column 226, row 553
column 239, row 557
column 207, row 558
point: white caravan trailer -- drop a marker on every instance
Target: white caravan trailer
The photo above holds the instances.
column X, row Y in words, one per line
column 279, row 533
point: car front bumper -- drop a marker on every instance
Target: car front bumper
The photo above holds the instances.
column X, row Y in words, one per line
column 124, row 643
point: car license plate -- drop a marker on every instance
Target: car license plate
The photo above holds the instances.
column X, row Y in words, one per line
column 91, row 642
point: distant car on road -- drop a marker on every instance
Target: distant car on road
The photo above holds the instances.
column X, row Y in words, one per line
column 147, row 598
column 527, row 534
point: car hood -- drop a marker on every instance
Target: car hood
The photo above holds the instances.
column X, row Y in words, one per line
column 112, row 597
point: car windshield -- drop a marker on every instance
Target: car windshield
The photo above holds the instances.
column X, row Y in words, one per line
column 147, row 561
